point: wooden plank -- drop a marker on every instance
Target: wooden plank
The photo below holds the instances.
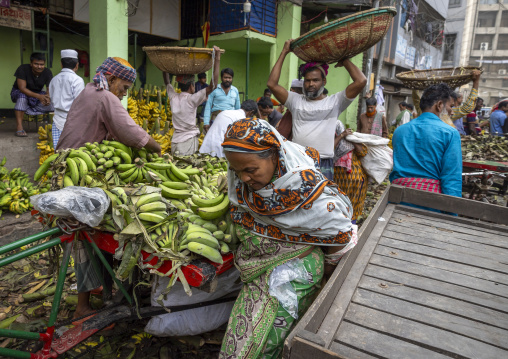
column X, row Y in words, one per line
column 303, row 349
column 421, row 334
column 467, row 295
column 454, row 219
column 453, row 244
column 440, row 274
column 442, row 202
column 470, row 260
column 319, row 308
column 350, row 353
column 439, row 236
column 428, row 228
column 334, row 316
column 451, row 267
column 450, row 225
column 383, row 300
column 379, row 345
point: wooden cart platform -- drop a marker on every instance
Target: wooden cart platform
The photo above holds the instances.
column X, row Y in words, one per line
column 419, row 284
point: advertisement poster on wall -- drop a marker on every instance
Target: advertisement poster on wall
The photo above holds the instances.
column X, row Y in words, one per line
column 400, row 50
column 410, row 56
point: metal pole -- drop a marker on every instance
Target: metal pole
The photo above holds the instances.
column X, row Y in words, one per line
column 379, row 64
column 19, row 334
column 39, row 248
column 21, row 46
column 247, row 70
column 60, row 284
column 368, row 71
column 23, row 242
column 135, row 48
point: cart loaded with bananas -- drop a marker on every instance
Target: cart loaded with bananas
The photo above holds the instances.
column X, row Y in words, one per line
column 164, row 216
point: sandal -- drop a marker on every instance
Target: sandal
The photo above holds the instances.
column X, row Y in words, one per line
column 21, row 133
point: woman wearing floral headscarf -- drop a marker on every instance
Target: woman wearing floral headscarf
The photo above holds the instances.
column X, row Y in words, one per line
column 283, row 209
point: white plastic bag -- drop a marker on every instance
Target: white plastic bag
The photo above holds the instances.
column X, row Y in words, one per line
column 378, row 161
column 87, row 205
column 280, row 284
column 192, row 321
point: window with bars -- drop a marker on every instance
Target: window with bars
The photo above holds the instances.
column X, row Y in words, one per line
column 487, row 18
column 449, row 47
column 454, row 3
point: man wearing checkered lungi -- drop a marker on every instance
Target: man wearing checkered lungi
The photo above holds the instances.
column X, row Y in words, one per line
column 64, row 89
column 27, row 92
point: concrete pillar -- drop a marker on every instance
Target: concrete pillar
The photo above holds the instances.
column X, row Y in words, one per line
column 288, row 27
column 109, row 32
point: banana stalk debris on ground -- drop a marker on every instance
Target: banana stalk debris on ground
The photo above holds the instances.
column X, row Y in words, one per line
column 485, row 148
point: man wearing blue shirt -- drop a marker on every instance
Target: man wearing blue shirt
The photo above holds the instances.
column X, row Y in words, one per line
column 224, row 97
column 426, row 151
column 498, row 118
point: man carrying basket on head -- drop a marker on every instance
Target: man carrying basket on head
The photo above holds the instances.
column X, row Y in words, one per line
column 184, row 107
column 314, row 113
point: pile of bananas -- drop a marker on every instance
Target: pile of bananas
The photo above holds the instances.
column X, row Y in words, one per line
column 149, row 108
column 15, row 190
column 178, row 203
column 46, row 143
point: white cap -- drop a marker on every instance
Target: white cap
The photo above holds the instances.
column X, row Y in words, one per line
column 297, row 83
column 69, row 54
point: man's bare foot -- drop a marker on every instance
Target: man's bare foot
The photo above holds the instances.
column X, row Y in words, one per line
column 81, row 313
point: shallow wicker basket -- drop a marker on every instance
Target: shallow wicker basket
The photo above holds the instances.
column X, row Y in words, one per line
column 180, row 60
column 452, row 76
column 344, row 38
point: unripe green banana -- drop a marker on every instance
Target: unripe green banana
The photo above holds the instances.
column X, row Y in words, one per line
column 151, row 217
column 148, row 198
column 152, row 207
column 206, row 251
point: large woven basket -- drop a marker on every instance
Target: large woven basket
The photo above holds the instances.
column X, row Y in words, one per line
column 453, row 76
column 344, row 38
column 180, row 60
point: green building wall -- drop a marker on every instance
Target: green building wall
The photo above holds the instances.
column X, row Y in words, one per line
column 265, row 51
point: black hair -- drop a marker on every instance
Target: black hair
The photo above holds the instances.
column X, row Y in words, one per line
column 269, row 153
column 455, row 95
column 502, row 104
column 37, row 56
column 403, row 103
column 249, row 106
column 410, row 107
column 325, row 91
column 185, row 87
column 314, row 68
column 435, row 93
column 228, row 71
column 478, row 99
column 267, row 90
column 201, row 76
column 265, row 102
column 371, row 101
column 69, row 63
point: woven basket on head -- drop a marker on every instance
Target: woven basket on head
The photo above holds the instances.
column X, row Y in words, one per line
column 452, row 76
column 344, row 38
column 180, row 60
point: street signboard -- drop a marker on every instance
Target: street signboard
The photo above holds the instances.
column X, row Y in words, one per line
column 16, row 17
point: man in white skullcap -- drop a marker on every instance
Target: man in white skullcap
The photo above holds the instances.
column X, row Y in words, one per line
column 64, row 89
column 297, row 86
